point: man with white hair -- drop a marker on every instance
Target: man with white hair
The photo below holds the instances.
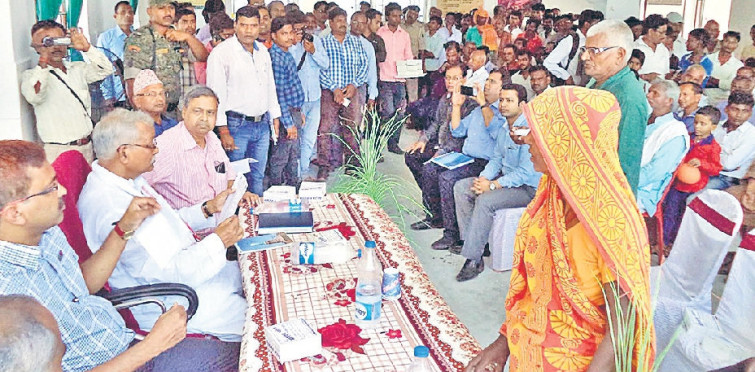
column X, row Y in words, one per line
column 666, row 143
column 608, row 47
column 164, row 248
column 150, row 98
column 29, row 336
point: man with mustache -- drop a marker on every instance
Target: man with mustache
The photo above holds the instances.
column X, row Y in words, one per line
column 59, row 90
column 158, row 47
column 149, row 97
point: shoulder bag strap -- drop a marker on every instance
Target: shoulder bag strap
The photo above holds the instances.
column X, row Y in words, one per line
column 74, row 94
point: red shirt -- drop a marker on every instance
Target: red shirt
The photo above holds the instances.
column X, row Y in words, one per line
column 532, row 44
column 709, row 153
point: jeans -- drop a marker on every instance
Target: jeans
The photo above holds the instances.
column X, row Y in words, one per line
column 284, row 156
column 392, row 98
column 336, row 124
column 253, row 141
column 475, row 212
column 197, row 355
column 308, row 134
column 674, row 206
column 721, row 182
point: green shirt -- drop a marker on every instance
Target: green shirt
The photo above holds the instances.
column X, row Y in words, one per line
column 473, row 34
column 634, row 117
column 147, row 49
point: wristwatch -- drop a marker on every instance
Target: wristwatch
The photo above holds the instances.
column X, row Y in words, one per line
column 125, row 235
column 492, row 186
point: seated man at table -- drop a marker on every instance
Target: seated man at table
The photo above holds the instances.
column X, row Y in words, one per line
column 478, row 198
column 481, row 128
column 666, row 143
column 191, row 167
column 37, row 261
column 436, row 140
column 735, row 137
column 164, row 248
column 149, row 97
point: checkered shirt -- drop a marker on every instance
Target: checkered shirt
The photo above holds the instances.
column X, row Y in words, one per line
column 92, row 330
column 287, row 83
column 186, row 75
column 348, row 63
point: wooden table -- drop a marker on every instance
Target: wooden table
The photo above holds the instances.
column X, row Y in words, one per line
column 277, row 291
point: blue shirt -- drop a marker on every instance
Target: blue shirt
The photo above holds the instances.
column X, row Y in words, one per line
column 689, row 120
column 347, row 63
column 480, row 140
column 372, row 90
column 657, row 174
column 724, row 116
column 287, row 84
column 114, row 40
column 166, row 124
column 309, row 75
column 512, row 160
column 91, row 329
column 685, row 63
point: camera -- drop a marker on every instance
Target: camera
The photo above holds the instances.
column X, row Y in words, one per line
column 467, row 91
column 308, row 37
column 52, row 41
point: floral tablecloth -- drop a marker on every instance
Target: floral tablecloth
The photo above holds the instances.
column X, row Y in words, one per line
column 277, row 291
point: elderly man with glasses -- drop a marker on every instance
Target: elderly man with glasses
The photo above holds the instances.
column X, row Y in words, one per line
column 150, row 97
column 164, row 248
column 607, row 49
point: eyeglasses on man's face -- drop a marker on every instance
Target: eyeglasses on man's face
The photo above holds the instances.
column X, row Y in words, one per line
column 53, row 188
column 152, row 94
column 151, row 146
column 594, row 51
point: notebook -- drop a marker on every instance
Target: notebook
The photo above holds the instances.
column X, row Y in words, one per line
column 452, row 160
column 296, row 222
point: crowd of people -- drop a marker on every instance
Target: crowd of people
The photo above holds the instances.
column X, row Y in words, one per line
column 578, row 118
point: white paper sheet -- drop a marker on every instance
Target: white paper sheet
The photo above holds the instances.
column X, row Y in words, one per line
column 232, row 202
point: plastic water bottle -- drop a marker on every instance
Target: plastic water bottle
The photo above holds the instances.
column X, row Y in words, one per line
column 369, row 291
column 421, row 362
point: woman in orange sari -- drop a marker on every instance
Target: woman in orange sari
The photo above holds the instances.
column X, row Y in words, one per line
column 580, row 234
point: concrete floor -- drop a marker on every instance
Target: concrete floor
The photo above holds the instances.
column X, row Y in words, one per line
column 479, row 303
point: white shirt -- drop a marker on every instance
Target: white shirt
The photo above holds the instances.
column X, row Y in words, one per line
column 476, row 77
column 455, row 35
column 737, row 148
column 243, row 81
column 519, row 79
column 199, row 264
column 514, row 33
column 60, row 116
column 680, row 46
column 656, row 61
column 559, row 57
column 725, row 74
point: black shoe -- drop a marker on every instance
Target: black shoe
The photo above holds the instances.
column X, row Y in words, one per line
column 470, row 270
column 486, row 251
column 395, row 149
column 426, row 224
column 444, row 243
column 456, row 248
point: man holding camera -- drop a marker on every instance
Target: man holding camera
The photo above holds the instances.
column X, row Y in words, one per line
column 59, row 90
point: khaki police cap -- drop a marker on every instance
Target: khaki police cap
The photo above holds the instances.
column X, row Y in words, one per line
column 160, row 2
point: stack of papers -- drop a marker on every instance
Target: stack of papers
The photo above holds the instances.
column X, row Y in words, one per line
column 452, row 160
column 312, row 190
column 409, row 69
column 279, row 193
column 292, row 340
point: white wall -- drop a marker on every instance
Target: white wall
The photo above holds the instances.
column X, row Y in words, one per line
column 16, row 116
column 742, row 18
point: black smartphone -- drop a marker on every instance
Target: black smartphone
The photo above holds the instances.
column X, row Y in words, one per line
column 467, row 91
column 309, row 37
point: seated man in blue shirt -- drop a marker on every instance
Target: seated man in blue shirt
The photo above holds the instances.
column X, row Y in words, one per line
column 478, row 198
column 480, row 127
column 666, row 143
column 37, row 261
column 150, row 98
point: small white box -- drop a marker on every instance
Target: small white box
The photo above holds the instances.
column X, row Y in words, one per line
column 279, row 193
column 293, row 340
column 312, row 190
column 410, row 68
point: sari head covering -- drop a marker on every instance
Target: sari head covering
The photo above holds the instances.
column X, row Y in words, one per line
column 550, row 323
column 487, row 31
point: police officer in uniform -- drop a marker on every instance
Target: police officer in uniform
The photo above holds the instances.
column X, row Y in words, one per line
column 158, row 47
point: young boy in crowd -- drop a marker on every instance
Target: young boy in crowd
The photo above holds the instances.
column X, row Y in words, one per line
column 705, row 155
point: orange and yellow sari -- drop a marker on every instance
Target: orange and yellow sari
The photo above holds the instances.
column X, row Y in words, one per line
column 555, row 313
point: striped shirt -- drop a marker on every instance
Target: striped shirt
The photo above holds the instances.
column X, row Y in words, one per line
column 186, row 174
column 287, row 83
column 347, row 63
column 92, row 330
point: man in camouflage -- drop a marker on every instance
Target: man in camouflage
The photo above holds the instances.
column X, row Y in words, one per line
column 158, row 47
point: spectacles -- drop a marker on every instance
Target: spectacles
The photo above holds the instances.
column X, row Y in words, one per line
column 152, row 94
column 594, row 51
column 153, row 146
column 51, row 189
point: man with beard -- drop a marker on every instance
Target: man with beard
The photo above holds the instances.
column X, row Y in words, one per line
column 158, row 46
column 59, row 90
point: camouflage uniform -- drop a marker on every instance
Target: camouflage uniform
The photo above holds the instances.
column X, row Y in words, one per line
column 147, row 49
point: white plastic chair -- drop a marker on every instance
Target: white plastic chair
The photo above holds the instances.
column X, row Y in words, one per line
column 501, row 239
column 685, row 280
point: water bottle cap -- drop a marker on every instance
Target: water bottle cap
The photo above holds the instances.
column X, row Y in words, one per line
column 369, row 244
column 421, row 351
